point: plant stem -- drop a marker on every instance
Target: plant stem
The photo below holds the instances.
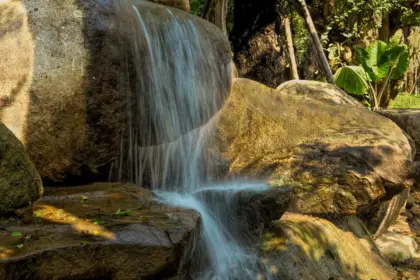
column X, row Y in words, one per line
column 373, row 98
column 385, row 84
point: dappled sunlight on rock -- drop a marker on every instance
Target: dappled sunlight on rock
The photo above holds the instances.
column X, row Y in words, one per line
column 94, row 231
column 55, row 215
column 5, row 252
column 270, row 243
column 306, row 247
column 16, row 68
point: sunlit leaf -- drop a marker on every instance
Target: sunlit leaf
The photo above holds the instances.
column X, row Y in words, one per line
column 353, row 79
column 19, row 246
column 99, row 222
column 16, row 234
column 124, row 213
column 377, row 63
column 400, row 57
column 38, row 214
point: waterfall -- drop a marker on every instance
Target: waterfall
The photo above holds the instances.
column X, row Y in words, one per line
column 176, row 82
column 228, row 256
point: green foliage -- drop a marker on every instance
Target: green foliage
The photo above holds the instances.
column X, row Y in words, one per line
column 99, row 222
column 124, row 213
column 300, row 35
column 353, row 79
column 375, row 60
column 355, row 19
column 381, row 59
column 406, row 100
column 16, row 234
column 38, row 214
column 196, row 7
column 380, row 63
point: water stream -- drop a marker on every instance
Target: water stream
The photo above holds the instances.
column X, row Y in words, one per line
column 176, row 87
column 223, row 253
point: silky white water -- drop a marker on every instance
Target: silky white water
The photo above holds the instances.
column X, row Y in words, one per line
column 177, row 82
column 228, row 256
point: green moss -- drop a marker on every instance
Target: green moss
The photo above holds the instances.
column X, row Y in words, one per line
column 20, row 183
column 406, row 100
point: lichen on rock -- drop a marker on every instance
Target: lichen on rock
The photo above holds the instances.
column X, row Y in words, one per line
column 20, row 184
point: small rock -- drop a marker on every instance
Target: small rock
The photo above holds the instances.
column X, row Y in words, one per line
column 396, row 247
column 415, row 210
column 409, row 215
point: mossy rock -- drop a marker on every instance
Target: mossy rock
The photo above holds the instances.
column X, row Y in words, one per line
column 98, row 231
column 339, row 158
column 20, row 184
column 305, row 247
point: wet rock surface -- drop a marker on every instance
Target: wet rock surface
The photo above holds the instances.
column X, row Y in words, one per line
column 66, row 97
column 100, row 231
column 254, row 209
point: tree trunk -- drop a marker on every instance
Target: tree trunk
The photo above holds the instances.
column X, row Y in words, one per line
column 258, row 48
column 290, row 48
column 215, row 11
column 384, row 30
column 318, row 46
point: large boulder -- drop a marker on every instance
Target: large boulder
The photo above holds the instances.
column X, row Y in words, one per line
column 100, row 231
column 339, row 159
column 315, row 90
column 78, row 78
column 310, row 248
column 180, row 4
column 251, row 209
column 409, row 121
column 20, row 184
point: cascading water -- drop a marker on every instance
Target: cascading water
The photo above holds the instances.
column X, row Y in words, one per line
column 177, row 82
column 227, row 252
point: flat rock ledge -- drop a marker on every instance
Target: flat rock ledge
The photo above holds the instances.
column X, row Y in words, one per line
column 100, row 231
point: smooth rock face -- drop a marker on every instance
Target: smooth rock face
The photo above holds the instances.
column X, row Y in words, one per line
column 397, row 248
column 315, row 90
column 258, row 210
column 409, row 121
column 63, row 86
column 100, row 231
column 305, row 247
column 339, row 159
column 255, row 209
column 20, row 184
column 180, row 4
